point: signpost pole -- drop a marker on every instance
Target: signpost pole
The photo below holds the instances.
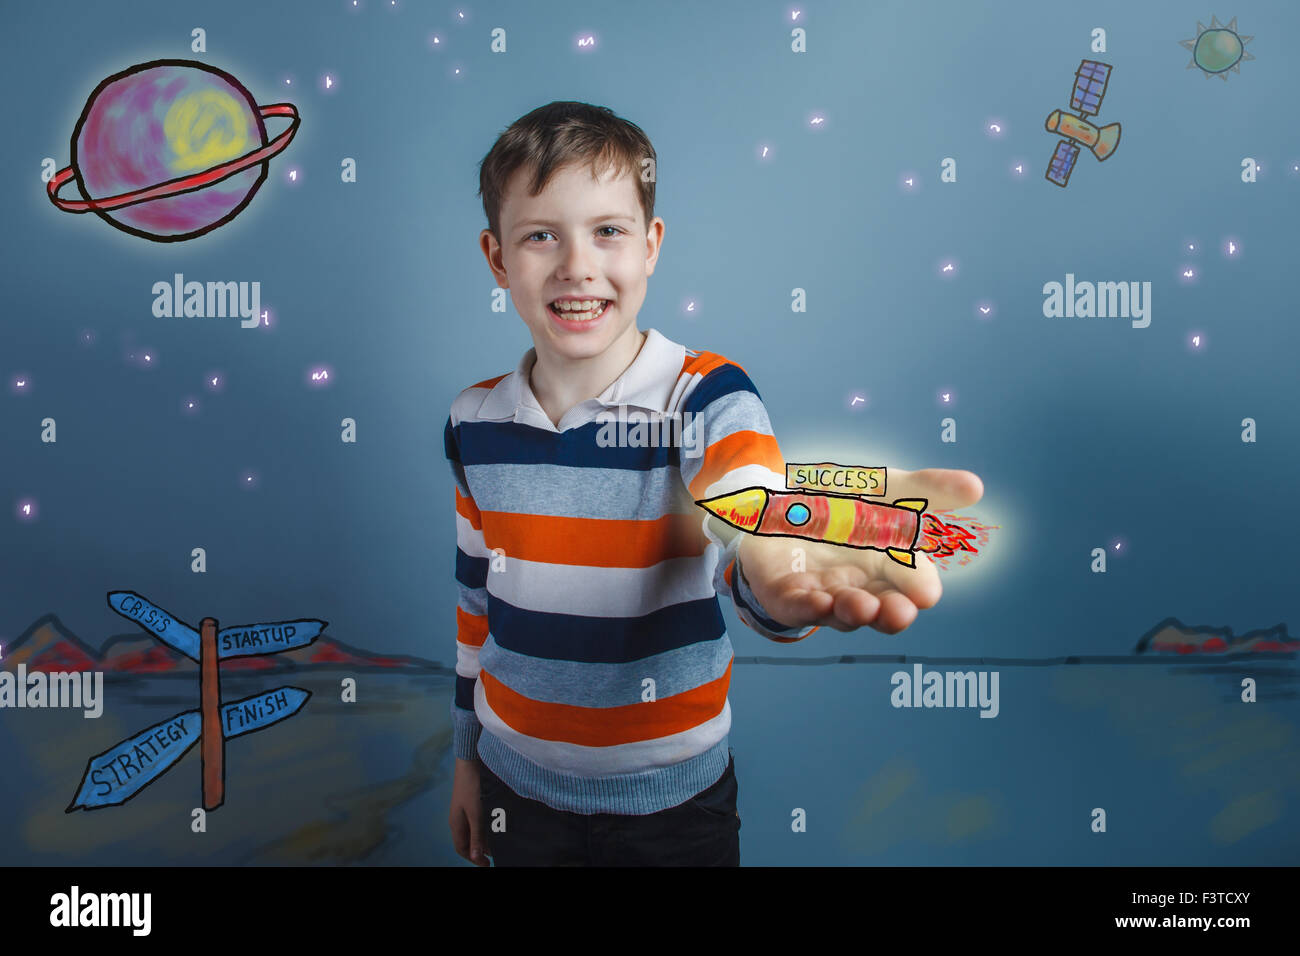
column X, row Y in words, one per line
column 214, row 738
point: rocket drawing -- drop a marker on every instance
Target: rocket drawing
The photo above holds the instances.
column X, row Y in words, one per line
column 816, row 516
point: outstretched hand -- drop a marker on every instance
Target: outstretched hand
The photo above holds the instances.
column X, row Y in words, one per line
column 847, row 588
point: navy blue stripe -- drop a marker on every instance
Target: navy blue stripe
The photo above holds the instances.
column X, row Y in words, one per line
column 723, row 380
column 603, row 640
column 449, row 442
column 471, row 572
column 465, row 692
column 513, row 443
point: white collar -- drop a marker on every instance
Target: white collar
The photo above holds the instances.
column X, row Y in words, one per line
column 647, row 383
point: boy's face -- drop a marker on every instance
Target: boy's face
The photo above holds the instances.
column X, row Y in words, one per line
column 579, row 237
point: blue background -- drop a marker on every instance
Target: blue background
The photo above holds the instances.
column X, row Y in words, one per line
column 1084, row 431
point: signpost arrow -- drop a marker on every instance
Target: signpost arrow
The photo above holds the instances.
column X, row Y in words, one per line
column 245, row 640
column 119, row 773
column 166, row 627
column 241, row 640
column 122, row 771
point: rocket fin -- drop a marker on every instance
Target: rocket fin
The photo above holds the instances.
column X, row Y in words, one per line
column 905, row 558
column 912, row 504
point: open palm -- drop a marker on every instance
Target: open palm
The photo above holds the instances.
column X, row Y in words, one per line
column 847, row 588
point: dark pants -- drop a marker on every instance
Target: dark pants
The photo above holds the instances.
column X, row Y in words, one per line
column 703, row 831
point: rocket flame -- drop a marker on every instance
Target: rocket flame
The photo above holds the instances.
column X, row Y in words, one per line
column 942, row 540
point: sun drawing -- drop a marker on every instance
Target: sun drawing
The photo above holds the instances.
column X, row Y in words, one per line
column 1218, row 49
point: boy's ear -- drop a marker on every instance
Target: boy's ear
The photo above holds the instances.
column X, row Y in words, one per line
column 492, row 252
column 654, row 241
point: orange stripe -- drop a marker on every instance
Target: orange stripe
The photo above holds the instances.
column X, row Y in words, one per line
column 471, row 629
column 489, row 382
column 705, row 362
column 791, row 640
column 735, row 451
column 594, row 542
column 730, row 452
column 606, row 726
column 466, row 508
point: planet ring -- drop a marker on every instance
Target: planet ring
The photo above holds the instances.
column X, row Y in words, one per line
column 183, row 184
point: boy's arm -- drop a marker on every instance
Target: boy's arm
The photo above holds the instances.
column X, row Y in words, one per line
column 730, row 579
column 729, row 445
column 471, row 605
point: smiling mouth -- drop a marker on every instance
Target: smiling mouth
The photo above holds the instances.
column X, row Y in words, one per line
column 574, row 315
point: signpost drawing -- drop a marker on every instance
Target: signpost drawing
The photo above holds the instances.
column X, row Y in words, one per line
column 122, row 771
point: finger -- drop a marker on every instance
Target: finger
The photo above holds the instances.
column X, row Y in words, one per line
column 944, row 489
column 479, row 849
column 464, row 837
column 920, row 584
column 800, row 607
column 842, row 608
column 853, row 608
column 896, row 613
column 460, row 833
column 888, row 611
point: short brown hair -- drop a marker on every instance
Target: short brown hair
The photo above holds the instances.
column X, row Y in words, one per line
column 556, row 135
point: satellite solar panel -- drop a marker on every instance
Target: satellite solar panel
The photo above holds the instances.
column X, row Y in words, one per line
column 1058, row 170
column 1089, row 87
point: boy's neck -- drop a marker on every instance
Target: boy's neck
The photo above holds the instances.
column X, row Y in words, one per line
column 560, row 383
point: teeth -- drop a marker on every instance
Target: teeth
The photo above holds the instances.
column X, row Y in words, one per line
column 582, row 312
column 584, row 305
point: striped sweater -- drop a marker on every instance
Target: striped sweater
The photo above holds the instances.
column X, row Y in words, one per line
column 592, row 658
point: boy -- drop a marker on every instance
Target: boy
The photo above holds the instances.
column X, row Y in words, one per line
column 592, row 657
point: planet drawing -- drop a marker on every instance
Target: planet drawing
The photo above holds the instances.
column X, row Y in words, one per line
column 1218, row 48
column 170, row 149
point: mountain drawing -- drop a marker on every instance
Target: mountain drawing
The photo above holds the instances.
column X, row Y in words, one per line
column 48, row 646
column 1171, row 636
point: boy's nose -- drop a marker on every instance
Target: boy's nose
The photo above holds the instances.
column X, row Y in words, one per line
column 576, row 261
